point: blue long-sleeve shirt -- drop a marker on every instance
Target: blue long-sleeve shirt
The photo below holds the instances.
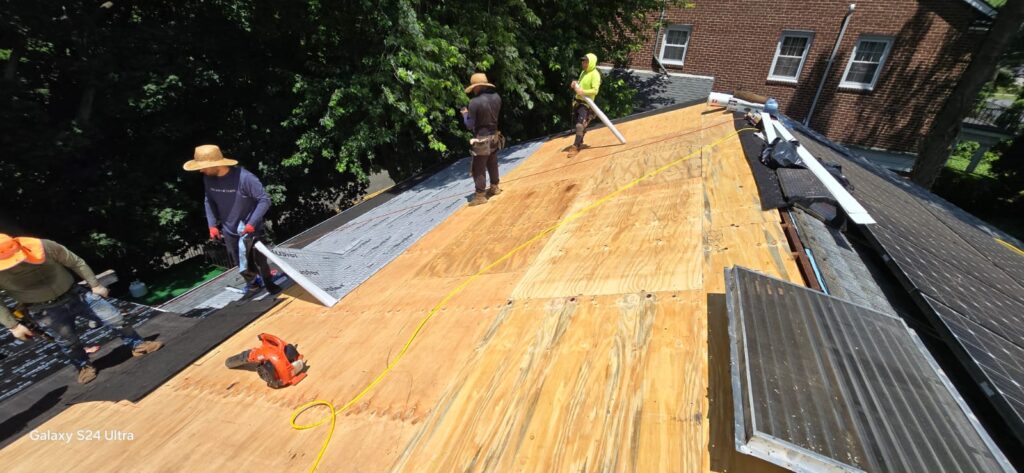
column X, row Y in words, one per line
column 236, row 197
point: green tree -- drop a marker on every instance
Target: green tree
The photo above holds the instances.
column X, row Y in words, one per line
column 101, row 102
column 937, row 144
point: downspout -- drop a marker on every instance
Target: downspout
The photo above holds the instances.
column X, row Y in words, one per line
column 828, row 66
column 657, row 37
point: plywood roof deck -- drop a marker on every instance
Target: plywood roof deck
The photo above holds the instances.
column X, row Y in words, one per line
column 588, row 349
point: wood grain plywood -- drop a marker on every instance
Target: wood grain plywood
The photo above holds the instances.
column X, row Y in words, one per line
column 555, row 360
column 645, row 239
column 612, row 383
column 550, row 162
column 736, row 230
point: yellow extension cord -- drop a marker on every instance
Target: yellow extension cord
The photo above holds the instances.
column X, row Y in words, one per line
column 1010, row 246
column 419, row 327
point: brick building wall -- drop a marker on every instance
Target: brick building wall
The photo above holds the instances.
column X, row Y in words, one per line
column 735, row 42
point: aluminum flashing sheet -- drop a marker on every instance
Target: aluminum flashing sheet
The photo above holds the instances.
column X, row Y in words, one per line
column 821, row 384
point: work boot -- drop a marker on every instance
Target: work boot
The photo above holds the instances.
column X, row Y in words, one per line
column 146, row 347
column 573, row 151
column 273, row 289
column 493, row 190
column 478, row 198
column 86, row 374
column 252, row 288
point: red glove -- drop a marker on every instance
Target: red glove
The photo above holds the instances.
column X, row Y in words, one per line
column 214, row 233
column 249, row 229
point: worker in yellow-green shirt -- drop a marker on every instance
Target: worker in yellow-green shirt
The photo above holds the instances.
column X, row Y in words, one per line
column 587, row 85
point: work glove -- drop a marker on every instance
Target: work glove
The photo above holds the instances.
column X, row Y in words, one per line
column 249, row 229
column 101, row 291
column 214, row 233
column 21, row 332
column 575, row 86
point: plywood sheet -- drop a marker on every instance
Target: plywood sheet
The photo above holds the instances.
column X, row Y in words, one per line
column 612, row 383
column 646, row 239
column 586, row 349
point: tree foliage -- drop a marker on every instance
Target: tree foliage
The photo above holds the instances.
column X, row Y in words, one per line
column 939, row 140
column 101, row 102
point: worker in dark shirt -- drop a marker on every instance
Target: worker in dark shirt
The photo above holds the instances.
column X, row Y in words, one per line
column 482, row 117
column 235, row 206
column 37, row 274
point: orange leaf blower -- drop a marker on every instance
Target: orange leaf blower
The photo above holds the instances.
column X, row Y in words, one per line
column 278, row 363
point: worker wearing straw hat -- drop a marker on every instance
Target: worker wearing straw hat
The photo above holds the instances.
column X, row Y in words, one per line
column 36, row 273
column 482, row 117
column 235, row 206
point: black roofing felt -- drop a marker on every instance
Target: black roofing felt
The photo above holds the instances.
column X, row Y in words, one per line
column 122, row 377
column 767, row 181
column 25, row 363
column 970, row 285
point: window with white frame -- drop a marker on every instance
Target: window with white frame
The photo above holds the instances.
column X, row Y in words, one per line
column 866, row 62
column 674, row 44
column 790, row 55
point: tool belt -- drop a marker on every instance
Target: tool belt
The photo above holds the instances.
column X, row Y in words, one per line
column 74, row 291
column 21, row 316
column 487, row 145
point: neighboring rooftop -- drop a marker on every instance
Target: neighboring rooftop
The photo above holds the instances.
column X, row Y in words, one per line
column 657, row 90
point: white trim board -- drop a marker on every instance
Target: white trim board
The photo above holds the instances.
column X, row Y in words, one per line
column 856, row 212
column 769, row 131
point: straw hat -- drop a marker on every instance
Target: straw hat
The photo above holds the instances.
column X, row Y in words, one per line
column 15, row 250
column 208, row 156
column 477, row 80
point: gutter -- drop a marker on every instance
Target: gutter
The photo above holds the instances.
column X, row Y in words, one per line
column 828, row 66
column 657, row 37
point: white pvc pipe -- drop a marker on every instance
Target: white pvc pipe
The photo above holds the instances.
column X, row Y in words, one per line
column 292, row 272
column 731, row 103
column 604, row 119
column 718, row 99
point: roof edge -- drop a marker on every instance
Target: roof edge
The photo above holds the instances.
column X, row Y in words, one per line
column 974, row 220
